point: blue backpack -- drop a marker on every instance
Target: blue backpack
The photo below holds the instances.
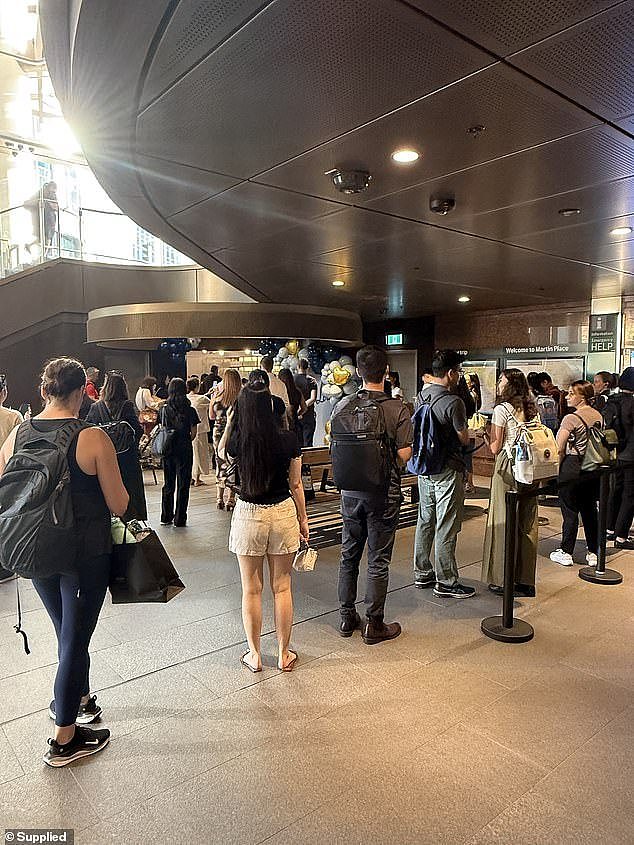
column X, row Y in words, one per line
column 430, row 448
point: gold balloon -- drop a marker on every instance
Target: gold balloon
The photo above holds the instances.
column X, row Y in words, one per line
column 340, row 376
column 293, row 346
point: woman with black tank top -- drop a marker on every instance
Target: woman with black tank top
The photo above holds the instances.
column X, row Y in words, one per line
column 74, row 601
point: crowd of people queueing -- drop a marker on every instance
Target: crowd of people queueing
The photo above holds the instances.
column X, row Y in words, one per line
column 256, row 427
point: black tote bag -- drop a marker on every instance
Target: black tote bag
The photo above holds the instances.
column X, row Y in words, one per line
column 143, row 572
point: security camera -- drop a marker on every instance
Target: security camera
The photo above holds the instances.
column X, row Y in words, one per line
column 442, row 205
column 350, row 181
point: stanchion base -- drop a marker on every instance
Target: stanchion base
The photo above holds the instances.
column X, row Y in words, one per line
column 493, row 627
column 610, row 576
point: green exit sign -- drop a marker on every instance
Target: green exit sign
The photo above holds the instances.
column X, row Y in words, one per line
column 394, row 339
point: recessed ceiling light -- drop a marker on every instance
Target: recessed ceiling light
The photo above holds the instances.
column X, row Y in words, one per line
column 569, row 212
column 464, row 299
column 338, row 283
column 221, row 352
column 621, row 230
column 405, row 156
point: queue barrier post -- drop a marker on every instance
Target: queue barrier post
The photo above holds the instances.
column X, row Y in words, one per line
column 506, row 628
column 599, row 574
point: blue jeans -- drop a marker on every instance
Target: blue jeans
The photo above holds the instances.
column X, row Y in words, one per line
column 439, row 519
column 74, row 602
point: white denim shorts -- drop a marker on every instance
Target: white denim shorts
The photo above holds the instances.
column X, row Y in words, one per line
column 258, row 530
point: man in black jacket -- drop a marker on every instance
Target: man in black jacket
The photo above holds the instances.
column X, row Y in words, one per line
column 618, row 414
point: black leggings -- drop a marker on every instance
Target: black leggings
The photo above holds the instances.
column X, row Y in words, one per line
column 73, row 602
column 579, row 498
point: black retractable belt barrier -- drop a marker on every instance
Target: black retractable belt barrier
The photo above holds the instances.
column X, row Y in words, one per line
column 599, row 574
column 505, row 628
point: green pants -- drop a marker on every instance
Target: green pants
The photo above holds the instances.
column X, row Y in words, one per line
column 439, row 521
column 494, row 538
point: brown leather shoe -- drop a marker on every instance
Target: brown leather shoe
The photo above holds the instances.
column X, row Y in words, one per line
column 376, row 631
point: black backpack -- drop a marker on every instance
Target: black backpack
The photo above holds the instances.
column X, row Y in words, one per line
column 612, row 413
column 37, row 524
column 360, row 448
column 119, row 431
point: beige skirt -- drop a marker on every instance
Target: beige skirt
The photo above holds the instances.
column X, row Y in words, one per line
column 495, row 535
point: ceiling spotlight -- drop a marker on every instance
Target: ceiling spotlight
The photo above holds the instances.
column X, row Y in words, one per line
column 464, row 299
column 338, row 283
column 349, row 181
column 621, row 230
column 476, row 130
column 569, row 212
column 405, row 156
column 221, row 352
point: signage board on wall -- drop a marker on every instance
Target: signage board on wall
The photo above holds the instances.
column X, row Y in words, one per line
column 603, row 332
column 394, row 339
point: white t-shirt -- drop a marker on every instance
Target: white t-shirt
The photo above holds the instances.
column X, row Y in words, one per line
column 144, row 399
column 200, row 404
column 8, row 421
column 507, row 417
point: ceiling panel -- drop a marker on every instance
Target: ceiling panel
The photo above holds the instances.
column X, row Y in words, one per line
column 195, row 29
column 592, row 156
column 592, row 63
column 597, row 203
column 590, row 242
column 296, row 76
column 351, row 226
column 173, row 187
column 505, row 26
column 244, row 213
column 623, row 265
column 438, row 127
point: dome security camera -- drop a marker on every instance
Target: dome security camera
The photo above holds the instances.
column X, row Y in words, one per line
column 350, row 181
column 442, row 205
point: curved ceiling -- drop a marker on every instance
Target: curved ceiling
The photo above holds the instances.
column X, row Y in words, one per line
column 212, row 123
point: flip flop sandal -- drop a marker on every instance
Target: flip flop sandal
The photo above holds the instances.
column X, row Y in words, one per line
column 289, row 666
column 248, row 665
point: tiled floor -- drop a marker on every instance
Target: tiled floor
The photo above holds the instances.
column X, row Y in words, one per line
column 442, row 736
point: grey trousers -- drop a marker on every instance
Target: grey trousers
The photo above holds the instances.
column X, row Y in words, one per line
column 439, row 519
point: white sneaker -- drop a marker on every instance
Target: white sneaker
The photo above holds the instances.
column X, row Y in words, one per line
column 561, row 557
column 592, row 559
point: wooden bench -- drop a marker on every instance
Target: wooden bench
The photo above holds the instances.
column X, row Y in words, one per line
column 318, row 458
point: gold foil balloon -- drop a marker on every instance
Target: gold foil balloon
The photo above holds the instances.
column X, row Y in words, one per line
column 340, row 375
column 293, row 347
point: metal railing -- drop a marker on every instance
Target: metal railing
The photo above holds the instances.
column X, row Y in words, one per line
column 39, row 230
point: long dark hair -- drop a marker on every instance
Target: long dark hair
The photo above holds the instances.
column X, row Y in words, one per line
column 294, row 396
column 258, row 439
column 517, row 393
column 114, row 393
column 177, row 402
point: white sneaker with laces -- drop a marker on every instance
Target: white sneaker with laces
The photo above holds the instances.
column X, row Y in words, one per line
column 592, row 559
column 561, row 557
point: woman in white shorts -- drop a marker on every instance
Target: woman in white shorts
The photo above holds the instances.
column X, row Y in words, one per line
column 269, row 519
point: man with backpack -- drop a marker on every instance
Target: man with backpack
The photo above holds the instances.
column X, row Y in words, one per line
column 371, row 436
column 440, row 433
column 618, row 415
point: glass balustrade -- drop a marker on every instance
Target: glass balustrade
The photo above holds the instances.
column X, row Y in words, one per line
column 40, row 231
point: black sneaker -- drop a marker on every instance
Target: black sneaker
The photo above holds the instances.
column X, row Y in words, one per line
column 459, row 591
column 86, row 714
column 423, row 583
column 85, row 742
column 624, row 544
column 6, row 575
column 349, row 625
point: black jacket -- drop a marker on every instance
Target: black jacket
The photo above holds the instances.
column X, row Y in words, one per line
column 618, row 414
